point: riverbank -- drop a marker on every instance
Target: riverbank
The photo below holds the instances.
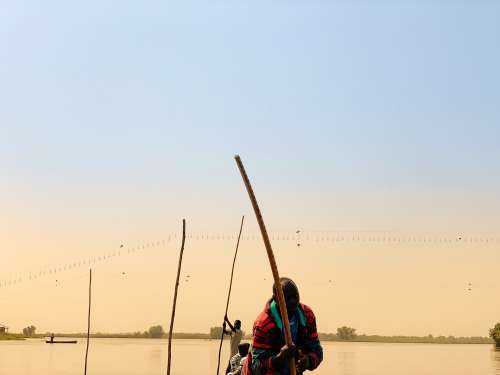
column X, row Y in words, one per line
column 330, row 337
column 410, row 339
column 100, row 335
column 9, row 336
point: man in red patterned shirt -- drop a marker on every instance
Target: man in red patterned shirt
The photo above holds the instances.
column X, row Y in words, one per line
column 270, row 355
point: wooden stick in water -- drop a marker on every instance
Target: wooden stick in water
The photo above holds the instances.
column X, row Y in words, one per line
column 229, row 292
column 175, row 297
column 88, row 321
column 272, row 260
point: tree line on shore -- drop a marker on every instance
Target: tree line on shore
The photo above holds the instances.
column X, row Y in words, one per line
column 343, row 334
column 349, row 334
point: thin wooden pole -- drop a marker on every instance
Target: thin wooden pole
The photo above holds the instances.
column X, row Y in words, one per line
column 88, row 321
column 272, row 260
column 175, row 296
column 229, row 292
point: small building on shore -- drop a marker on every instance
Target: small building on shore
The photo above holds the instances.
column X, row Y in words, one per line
column 3, row 329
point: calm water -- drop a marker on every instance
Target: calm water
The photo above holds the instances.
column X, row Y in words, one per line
column 148, row 357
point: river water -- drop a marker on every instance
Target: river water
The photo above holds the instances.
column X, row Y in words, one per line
column 189, row 357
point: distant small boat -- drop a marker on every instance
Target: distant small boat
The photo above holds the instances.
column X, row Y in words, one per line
column 61, row 342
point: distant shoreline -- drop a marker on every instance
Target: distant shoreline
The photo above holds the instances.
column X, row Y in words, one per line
column 327, row 337
column 11, row 337
column 410, row 339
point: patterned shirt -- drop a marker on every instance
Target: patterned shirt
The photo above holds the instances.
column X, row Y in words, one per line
column 268, row 339
column 236, row 363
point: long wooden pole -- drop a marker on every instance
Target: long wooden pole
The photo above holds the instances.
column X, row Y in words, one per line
column 175, row 296
column 88, row 321
column 229, row 292
column 272, row 260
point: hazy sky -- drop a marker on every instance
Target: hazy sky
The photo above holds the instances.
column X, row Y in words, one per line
column 119, row 118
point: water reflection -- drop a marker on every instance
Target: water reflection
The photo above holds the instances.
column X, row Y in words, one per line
column 155, row 354
column 346, row 362
column 149, row 357
column 496, row 360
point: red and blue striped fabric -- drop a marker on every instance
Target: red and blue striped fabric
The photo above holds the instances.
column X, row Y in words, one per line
column 268, row 339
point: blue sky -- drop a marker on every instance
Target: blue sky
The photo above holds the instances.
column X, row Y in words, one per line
column 125, row 115
column 96, row 86
column 335, row 95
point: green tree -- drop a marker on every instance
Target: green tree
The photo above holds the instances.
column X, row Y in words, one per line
column 495, row 333
column 29, row 331
column 346, row 333
column 156, row 332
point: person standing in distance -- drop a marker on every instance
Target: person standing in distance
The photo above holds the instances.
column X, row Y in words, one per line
column 236, row 335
